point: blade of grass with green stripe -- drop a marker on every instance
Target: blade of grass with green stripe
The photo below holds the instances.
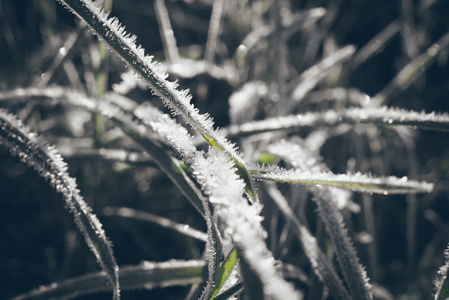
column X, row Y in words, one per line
column 225, row 270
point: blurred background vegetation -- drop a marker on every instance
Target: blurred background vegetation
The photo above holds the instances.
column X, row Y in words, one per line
column 39, row 241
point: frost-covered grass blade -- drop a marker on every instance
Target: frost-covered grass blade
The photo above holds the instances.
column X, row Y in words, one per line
column 45, row 160
column 382, row 116
column 355, row 182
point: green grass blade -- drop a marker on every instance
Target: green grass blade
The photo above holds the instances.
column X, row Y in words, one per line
column 225, row 270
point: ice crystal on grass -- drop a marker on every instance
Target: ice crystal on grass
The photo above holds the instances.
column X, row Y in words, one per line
column 44, row 159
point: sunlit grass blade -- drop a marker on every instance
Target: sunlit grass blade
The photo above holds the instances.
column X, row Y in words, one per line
column 147, row 275
column 355, row 182
column 163, row 222
column 44, row 159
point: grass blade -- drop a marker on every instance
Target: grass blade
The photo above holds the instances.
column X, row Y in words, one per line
column 48, row 163
column 355, row 182
column 163, row 222
column 147, row 275
column 382, row 116
column 225, row 270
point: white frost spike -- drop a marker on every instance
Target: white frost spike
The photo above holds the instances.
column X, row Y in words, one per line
column 36, row 153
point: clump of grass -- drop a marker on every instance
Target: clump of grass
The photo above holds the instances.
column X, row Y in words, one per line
column 288, row 103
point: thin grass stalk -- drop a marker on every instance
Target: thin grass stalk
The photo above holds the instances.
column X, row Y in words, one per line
column 373, row 46
column 213, row 35
column 101, row 79
column 64, row 54
column 315, row 74
column 225, row 271
column 280, row 53
column 412, row 203
column 166, row 31
column 183, row 229
column 408, row 31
